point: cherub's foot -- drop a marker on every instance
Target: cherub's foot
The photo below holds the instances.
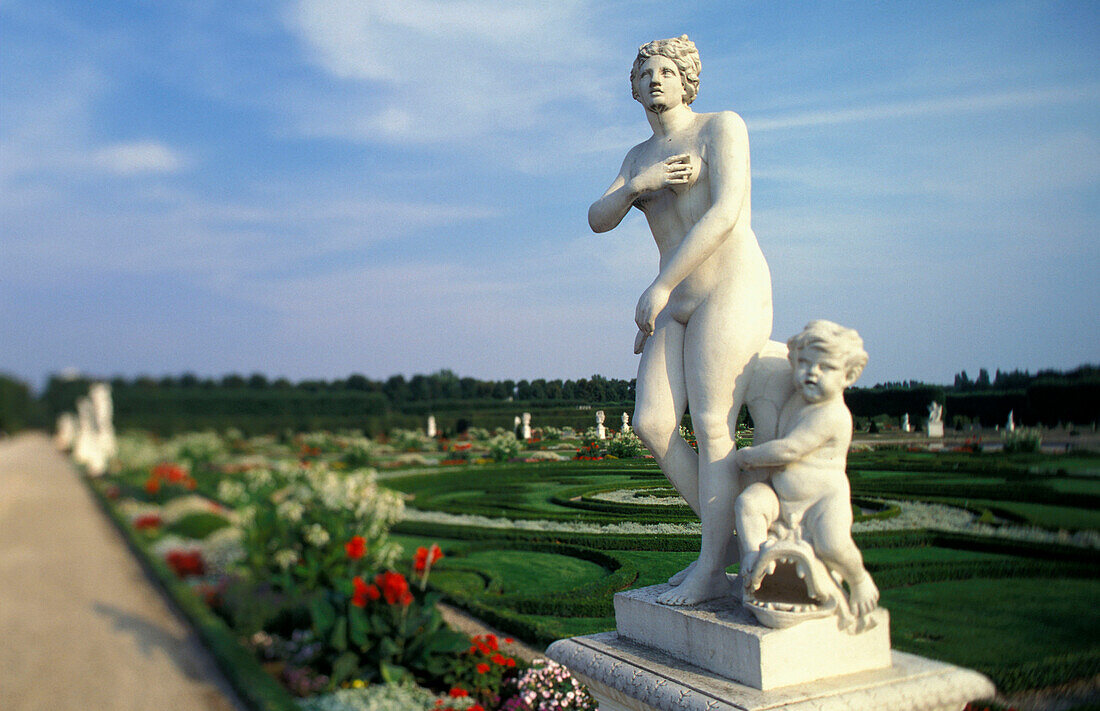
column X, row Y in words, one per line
column 679, row 577
column 864, row 596
column 697, row 587
column 748, row 560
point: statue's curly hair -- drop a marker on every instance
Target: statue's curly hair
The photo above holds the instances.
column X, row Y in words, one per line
column 832, row 338
column 682, row 52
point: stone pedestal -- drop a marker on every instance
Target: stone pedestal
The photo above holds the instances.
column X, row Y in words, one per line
column 716, row 657
column 723, row 637
column 626, row 676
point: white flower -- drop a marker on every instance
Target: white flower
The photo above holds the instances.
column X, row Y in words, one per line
column 286, row 558
column 291, row 510
column 316, row 535
column 230, row 490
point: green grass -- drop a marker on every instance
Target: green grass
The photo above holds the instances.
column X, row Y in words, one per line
column 1044, row 515
column 997, row 625
column 530, row 572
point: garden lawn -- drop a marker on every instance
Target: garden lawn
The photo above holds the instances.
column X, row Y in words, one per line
column 998, row 625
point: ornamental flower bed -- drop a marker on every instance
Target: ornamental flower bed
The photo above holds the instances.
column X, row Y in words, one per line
column 292, row 551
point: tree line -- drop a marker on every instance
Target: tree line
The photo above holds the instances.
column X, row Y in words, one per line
column 256, row 403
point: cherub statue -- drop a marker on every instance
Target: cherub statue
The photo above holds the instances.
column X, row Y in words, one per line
column 801, row 515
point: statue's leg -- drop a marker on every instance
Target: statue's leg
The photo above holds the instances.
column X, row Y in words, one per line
column 659, row 406
column 720, row 341
column 828, row 528
column 755, row 509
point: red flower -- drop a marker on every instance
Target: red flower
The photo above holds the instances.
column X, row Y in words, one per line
column 147, row 521
column 482, row 668
column 509, row 640
column 458, row 692
column 172, row 473
column 152, row 485
column 510, row 662
column 476, row 707
column 491, row 641
column 363, row 592
column 356, row 548
column 498, row 658
column 425, row 557
column 185, row 563
column 394, row 587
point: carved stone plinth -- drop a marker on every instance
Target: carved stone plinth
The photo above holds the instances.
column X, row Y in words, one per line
column 722, row 637
column 626, row 676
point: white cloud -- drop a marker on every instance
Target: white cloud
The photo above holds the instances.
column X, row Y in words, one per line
column 138, row 157
column 425, row 72
column 908, row 109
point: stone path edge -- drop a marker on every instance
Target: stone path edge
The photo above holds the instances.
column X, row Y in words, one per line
column 254, row 687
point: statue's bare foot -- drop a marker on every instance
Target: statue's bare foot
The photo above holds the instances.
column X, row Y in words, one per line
column 697, row 587
column 748, row 560
column 679, row 577
column 864, row 596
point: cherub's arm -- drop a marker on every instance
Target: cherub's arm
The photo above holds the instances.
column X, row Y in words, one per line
column 728, row 158
column 607, row 212
column 816, row 428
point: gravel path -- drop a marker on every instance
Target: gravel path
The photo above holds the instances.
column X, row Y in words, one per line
column 81, row 626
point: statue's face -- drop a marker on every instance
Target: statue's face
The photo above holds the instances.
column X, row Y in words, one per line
column 659, row 84
column 818, row 375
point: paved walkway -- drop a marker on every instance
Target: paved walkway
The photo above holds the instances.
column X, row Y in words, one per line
column 81, row 626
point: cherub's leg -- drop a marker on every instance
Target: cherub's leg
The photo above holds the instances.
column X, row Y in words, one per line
column 659, row 406
column 829, row 529
column 720, row 341
column 754, row 511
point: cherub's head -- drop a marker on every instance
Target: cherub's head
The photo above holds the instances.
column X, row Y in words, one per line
column 826, row 358
column 683, row 54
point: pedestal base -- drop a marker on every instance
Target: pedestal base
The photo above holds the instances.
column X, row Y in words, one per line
column 721, row 636
column 626, row 676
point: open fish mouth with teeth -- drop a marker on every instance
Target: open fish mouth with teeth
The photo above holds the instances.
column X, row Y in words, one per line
column 789, row 584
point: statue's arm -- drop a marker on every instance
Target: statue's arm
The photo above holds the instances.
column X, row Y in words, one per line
column 607, row 212
column 811, row 434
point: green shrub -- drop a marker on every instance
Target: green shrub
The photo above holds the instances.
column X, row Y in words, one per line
column 504, row 447
column 626, row 445
column 1023, row 439
column 198, row 525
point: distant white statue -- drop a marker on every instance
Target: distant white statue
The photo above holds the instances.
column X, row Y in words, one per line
column 934, row 426
column 431, row 427
column 905, row 426
column 1010, row 425
column 800, row 517
column 88, row 448
column 601, row 431
column 626, row 422
column 526, row 427
column 65, row 436
column 104, row 410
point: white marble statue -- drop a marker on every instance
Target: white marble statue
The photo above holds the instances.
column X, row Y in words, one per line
column 65, row 435
column 691, row 180
column 905, row 426
column 432, row 431
column 526, row 427
column 1010, row 425
column 88, row 447
column 601, row 431
column 934, row 426
column 626, row 422
column 104, row 411
column 802, row 514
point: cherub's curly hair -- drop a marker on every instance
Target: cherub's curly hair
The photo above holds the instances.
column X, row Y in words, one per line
column 682, row 52
column 831, row 338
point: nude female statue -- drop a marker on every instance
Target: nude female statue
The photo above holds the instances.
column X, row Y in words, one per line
column 708, row 313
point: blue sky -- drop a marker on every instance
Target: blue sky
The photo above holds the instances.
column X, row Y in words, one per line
column 316, row 188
